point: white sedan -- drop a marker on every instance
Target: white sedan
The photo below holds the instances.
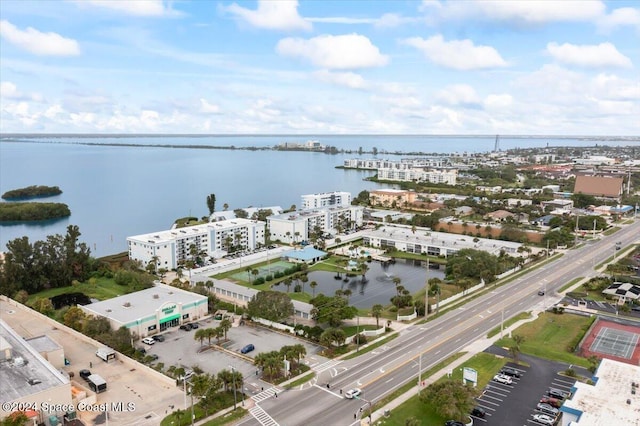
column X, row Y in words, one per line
column 502, row 378
column 352, row 393
column 544, row 419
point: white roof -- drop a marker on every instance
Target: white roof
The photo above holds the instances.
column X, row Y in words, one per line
column 173, row 234
column 605, row 402
column 143, row 303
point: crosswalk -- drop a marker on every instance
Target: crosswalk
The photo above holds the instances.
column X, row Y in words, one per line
column 326, row 365
column 266, row 394
column 261, row 416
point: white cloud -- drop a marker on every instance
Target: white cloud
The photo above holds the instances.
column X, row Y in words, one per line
column 496, row 102
column 591, row 56
column 457, row 54
column 459, row 94
column 133, row 7
column 348, row 51
column 624, row 16
column 208, row 108
column 272, row 15
column 38, row 43
column 8, row 90
column 346, row 79
column 520, row 11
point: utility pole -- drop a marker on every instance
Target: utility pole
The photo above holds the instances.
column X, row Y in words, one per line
column 358, row 333
column 419, row 370
column 426, row 291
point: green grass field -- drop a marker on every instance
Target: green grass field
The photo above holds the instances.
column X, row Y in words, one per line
column 551, row 335
column 101, row 289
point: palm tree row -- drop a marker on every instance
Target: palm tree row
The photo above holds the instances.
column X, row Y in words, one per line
column 217, row 333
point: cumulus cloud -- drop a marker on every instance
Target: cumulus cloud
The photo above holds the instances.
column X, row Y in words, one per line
column 346, row 79
column 133, row 7
column 457, row 54
column 459, row 94
column 348, row 51
column 590, row 56
column 38, row 43
column 208, row 108
column 520, row 11
column 272, row 15
column 495, row 102
column 624, row 16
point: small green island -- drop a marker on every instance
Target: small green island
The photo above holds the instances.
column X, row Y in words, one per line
column 34, row 191
column 32, row 211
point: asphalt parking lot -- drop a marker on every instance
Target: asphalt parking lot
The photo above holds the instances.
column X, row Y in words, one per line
column 181, row 349
column 514, row 405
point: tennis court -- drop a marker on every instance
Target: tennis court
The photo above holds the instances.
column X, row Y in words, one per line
column 263, row 271
column 615, row 342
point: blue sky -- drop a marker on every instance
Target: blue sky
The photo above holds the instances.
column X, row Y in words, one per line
column 320, row 67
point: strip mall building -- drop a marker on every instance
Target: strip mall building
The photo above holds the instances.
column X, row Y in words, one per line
column 152, row 310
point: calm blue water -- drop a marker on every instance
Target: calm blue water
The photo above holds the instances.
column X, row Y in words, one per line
column 115, row 192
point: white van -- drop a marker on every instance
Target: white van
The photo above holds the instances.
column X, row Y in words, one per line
column 106, row 354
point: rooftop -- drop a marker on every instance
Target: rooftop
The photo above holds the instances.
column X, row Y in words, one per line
column 305, row 254
column 599, row 186
column 609, row 400
column 139, row 304
column 44, row 344
column 23, row 367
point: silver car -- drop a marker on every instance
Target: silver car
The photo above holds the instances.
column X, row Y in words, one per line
column 548, row 409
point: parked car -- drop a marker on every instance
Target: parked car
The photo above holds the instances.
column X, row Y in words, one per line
column 158, row 338
column 509, row 371
column 352, row 393
column 478, row 412
column 194, row 325
column 544, row 419
column 148, row 340
column 502, row 378
column 141, row 350
column 247, row 349
column 547, row 409
column 551, row 401
column 187, row 375
column 85, row 374
column 185, row 327
column 453, row 423
column 557, row 393
column 153, row 357
column 540, row 292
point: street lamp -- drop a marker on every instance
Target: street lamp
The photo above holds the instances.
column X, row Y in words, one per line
column 233, row 375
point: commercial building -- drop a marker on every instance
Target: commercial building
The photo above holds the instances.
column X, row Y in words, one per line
column 612, row 399
column 28, row 378
column 295, row 227
column 599, row 186
column 150, row 311
column 325, row 199
column 431, row 242
column 172, row 248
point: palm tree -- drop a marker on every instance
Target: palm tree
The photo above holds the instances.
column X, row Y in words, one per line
column 201, row 334
column 288, row 234
column 255, row 273
column 225, row 325
column 347, row 293
column 218, row 332
column 376, row 311
column 363, row 270
column 288, row 282
column 248, row 271
column 225, row 206
column 304, row 279
column 210, row 334
column 313, row 285
column 299, row 351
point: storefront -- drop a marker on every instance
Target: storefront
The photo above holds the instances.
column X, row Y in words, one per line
column 152, row 310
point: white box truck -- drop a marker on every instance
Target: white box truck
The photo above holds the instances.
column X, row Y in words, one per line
column 106, row 354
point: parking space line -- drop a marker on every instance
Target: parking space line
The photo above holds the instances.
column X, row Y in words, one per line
column 489, row 402
column 493, row 397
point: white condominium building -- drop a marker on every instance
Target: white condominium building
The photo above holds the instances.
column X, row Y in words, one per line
column 403, row 164
column 447, row 176
column 325, row 199
column 173, row 247
column 296, row 226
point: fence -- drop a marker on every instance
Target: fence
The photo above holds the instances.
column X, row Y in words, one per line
column 413, row 316
column 458, row 296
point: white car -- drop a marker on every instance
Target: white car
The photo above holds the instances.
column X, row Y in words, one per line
column 502, row 378
column 149, row 340
column 544, row 419
column 352, row 393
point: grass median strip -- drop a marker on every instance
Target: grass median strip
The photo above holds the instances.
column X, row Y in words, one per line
column 569, row 284
column 302, row 380
column 509, row 322
column 227, row 418
column 371, row 346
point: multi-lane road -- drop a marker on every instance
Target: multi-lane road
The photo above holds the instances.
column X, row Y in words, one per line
column 381, row 371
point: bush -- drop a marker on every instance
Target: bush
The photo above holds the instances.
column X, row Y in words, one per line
column 268, row 278
column 258, row 281
column 360, row 339
column 570, row 372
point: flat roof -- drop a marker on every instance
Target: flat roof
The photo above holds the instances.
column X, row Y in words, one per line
column 143, row 303
column 250, row 292
column 307, row 253
column 44, row 344
column 26, row 364
column 172, row 234
column 605, row 402
column 441, row 239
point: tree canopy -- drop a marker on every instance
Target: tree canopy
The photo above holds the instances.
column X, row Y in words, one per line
column 331, row 310
column 270, row 305
column 451, row 399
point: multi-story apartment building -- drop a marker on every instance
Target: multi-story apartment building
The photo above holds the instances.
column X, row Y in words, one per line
column 446, row 176
column 173, row 247
column 297, row 226
column 325, row 199
column 405, row 163
column 391, row 197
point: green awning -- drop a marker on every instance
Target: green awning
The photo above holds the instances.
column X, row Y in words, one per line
column 171, row 318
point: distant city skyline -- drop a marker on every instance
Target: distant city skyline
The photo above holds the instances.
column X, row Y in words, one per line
column 320, row 67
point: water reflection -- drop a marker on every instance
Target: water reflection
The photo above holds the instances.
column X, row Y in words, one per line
column 378, row 284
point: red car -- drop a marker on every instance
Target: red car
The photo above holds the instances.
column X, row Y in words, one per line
column 556, row 403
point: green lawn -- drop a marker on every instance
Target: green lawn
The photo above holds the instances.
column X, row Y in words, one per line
column 228, row 418
column 352, row 329
column 103, row 289
column 551, row 336
column 611, row 230
column 569, row 284
column 509, row 322
column 487, row 365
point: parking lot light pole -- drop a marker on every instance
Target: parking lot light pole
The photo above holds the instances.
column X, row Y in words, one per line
column 235, row 399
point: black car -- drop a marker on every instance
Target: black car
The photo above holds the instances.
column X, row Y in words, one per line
column 185, row 327
column 85, row 374
column 478, row 412
column 158, row 338
column 194, row 325
column 510, row 372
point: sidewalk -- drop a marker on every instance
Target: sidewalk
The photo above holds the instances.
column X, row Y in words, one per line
column 472, row 349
